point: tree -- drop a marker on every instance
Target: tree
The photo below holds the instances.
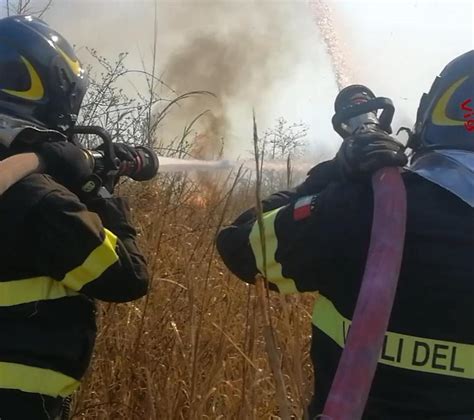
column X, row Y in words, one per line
column 284, row 140
column 25, row 7
column 132, row 120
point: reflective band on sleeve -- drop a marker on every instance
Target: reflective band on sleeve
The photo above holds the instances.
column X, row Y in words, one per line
column 273, row 270
column 400, row 350
column 36, row 380
column 16, row 292
column 95, row 264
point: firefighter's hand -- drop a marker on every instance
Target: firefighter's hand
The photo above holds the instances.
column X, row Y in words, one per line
column 65, row 162
column 126, row 154
column 363, row 154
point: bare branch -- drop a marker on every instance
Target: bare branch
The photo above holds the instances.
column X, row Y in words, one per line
column 45, row 9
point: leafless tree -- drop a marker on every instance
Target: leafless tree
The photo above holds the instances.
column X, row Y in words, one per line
column 285, row 140
column 26, row 7
column 132, row 120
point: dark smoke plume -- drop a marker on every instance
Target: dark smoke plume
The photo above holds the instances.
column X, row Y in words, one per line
column 236, row 50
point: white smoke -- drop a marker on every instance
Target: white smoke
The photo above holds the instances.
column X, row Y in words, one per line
column 397, row 48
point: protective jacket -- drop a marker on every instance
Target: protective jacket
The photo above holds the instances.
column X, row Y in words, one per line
column 57, row 256
column 318, row 242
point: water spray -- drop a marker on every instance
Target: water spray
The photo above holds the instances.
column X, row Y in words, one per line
column 145, row 165
column 168, row 164
column 324, row 21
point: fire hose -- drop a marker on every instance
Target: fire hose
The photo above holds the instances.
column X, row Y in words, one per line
column 143, row 167
column 14, row 168
column 356, row 109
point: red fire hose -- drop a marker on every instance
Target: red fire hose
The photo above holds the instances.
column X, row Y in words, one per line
column 355, row 373
column 17, row 167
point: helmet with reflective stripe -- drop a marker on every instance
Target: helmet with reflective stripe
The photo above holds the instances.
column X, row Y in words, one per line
column 41, row 79
column 445, row 118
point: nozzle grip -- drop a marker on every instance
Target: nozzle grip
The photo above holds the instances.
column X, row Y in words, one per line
column 110, row 160
column 372, row 105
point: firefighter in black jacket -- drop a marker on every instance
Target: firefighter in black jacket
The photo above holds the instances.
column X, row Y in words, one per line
column 317, row 239
column 58, row 253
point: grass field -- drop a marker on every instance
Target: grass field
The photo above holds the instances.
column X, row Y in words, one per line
column 193, row 348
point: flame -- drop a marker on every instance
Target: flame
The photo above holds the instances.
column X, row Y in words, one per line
column 199, row 200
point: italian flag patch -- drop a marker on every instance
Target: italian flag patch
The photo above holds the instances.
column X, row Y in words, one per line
column 303, row 207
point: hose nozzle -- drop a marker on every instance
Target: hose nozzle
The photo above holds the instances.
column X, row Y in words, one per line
column 356, row 108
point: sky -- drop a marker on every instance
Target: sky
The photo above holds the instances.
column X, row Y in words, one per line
column 269, row 55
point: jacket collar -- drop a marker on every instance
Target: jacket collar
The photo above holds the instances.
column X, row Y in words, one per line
column 11, row 128
column 452, row 170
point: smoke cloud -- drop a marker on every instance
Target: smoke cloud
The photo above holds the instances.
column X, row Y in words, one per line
column 237, row 51
column 251, row 54
column 269, row 55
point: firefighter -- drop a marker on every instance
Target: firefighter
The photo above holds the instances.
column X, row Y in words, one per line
column 60, row 248
column 317, row 239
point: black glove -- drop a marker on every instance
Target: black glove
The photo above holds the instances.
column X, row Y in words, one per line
column 364, row 153
column 125, row 152
column 65, row 162
column 127, row 155
column 114, row 213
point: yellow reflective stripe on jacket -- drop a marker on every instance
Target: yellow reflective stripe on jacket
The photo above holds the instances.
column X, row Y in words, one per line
column 36, row 380
column 16, row 292
column 273, row 270
column 95, row 264
column 403, row 351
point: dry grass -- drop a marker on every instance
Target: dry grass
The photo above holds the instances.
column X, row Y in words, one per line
column 193, row 348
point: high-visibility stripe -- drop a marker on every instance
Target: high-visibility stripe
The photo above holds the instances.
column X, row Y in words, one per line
column 73, row 64
column 36, row 380
column 273, row 269
column 95, row 264
column 400, row 350
column 36, row 90
column 439, row 116
column 16, row 292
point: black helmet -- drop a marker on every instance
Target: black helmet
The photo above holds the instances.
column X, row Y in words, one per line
column 41, row 79
column 445, row 118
